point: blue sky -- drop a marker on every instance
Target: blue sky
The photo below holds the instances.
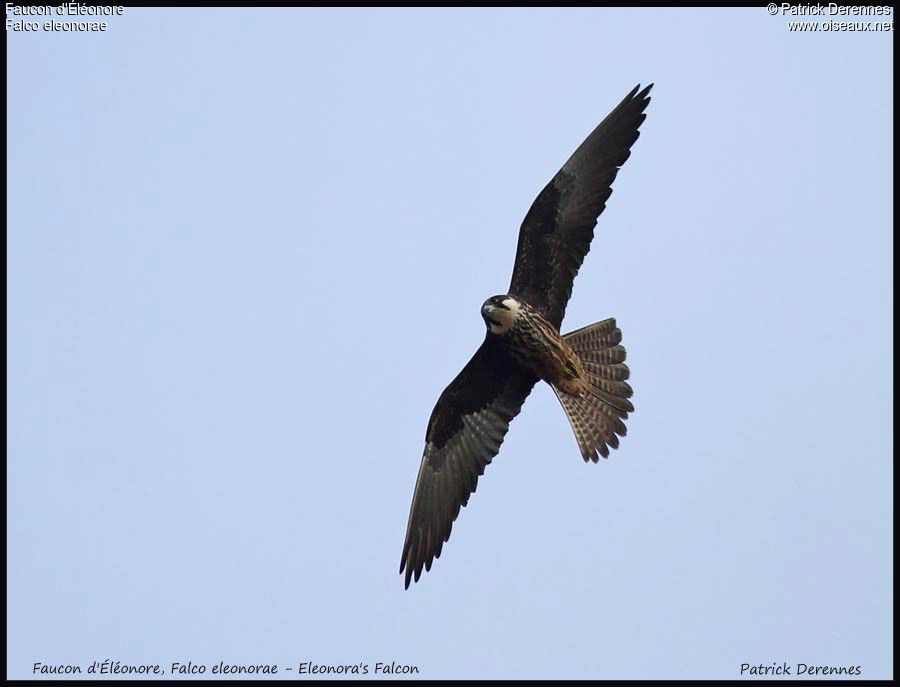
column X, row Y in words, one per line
column 247, row 250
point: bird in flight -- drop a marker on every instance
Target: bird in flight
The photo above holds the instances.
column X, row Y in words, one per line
column 585, row 368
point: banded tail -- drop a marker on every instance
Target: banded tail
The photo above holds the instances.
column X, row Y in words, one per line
column 597, row 417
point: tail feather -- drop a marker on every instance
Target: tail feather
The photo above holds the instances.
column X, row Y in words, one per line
column 589, row 436
column 616, row 354
column 612, row 399
column 595, row 337
column 596, row 418
column 613, row 420
column 618, row 372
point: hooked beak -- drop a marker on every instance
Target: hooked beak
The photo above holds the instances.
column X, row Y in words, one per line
column 488, row 311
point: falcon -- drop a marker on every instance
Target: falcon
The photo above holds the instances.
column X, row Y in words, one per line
column 585, row 368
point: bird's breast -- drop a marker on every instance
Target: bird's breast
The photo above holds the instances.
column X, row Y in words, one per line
column 537, row 345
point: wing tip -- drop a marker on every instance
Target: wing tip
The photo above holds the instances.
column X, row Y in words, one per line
column 413, row 561
column 407, row 564
column 643, row 94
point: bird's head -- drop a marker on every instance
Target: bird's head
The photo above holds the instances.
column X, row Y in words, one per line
column 500, row 313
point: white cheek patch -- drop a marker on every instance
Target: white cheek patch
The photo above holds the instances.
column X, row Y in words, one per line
column 506, row 318
column 513, row 311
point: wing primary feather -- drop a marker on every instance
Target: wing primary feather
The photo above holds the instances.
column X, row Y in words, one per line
column 465, row 431
column 557, row 231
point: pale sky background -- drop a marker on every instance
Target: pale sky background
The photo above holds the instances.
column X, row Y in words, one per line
column 247, row 250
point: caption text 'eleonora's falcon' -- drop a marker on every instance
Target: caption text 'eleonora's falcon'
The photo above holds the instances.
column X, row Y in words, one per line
column 586, row 368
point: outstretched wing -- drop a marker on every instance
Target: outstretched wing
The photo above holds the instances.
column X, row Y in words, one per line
column 557, row 231
column 465, row 431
